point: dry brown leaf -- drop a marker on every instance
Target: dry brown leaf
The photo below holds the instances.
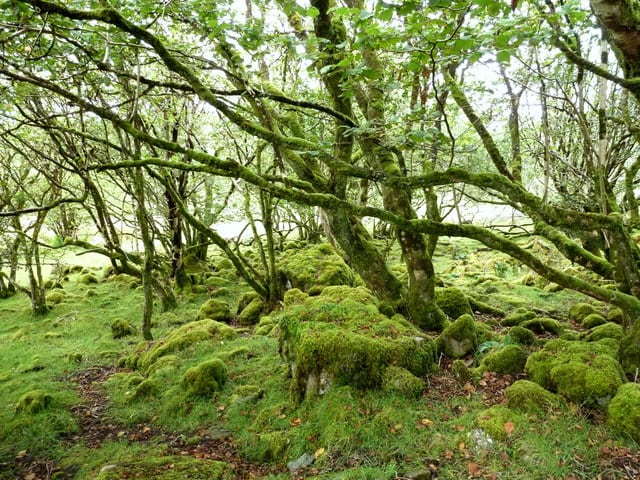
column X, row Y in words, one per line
column 474, row 469
column 508, row 428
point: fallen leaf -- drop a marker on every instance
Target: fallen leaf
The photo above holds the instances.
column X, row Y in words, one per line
column 319, row 452
column 295, row 422
column 462, row 446
column 448, row 454
column 146, row 429
column 474, row 469
column 29, row 476
column 508, row 428
column 426, row 422
column 469, row 388
column 21, row 454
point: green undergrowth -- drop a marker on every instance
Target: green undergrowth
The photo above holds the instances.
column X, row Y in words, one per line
column 354, row 430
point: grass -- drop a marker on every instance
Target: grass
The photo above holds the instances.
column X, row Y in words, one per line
column 353, row 434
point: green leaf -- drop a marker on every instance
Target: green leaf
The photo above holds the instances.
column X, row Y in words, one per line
column 312, row 12
column 503, row 56
column 463, row 44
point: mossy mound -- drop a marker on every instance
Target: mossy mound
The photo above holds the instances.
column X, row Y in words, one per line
column 529, row 397
column 56, row 297
column 453, row 302
column 317, row 265
column 607, row 330
column 498, row 422
column 125, row 280
column 593, row 320
column 148, row 388
column 206, row 378
column 402, row 382
column 347, row 343
column 167, row 468
column 87, row 279
column 250, row 315
column 339, row 293
column 543, row 325
column 295, row 296
column 459, row 338
column 623, row 412
column 508, row 359
column 521, row 335
column 33, row 401
column 580, row 311
column 265, row 326
column 517, row 317
column 184, row 337
column 121, row 328
column 215, row 310
column 245, row 299
column 616, row 315
column 584, row 373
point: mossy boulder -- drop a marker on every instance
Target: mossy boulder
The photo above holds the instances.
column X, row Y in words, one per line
column 33, row 401
column 250, row 315
column 339, row 293
column 459, row 338
column 508, row 359
column 56, row 297
column 607, row 330
column 327, row 343
column 265, row 326
column 580, row 311
column 517, row 317
column 224, row 264
column 245, row 299
column 462, row 373
column 149, row 387
column 316, row 266
column 87, row 279
column 543, row 325
column 294, row 296
column 163, row 467
column 529, row 397
column 629, row 352
column 616, row 315
column 206, row 378
column 182, row 338
column 498, row 422
column 453, row 302
column 593, row 320
column 521, row 335
column 623, row 412
column 584, row 373
column 121, row 328
column 401, row 381
column 215, row 310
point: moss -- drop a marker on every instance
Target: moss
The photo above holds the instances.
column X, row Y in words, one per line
column 184, row 337
column 543, row 325
column 160, row 467
column 629, row 352
column 121, row 328
column 462, row 372
column 317, row 265
column 168, row 362
column 569, row 334
column 224, row 264
column 245, row 299
column 33, row 401
column 247, row 393
column 215, row 310
column 148, row 388
column 521, row 335
column 529, row 397
column 56, row 297
column 74, row 358
column 267, row 447
column 608, row 330
column 494, row 420
column 459, row 338
column 453, row 302
column 347, row 343
column 215, row 281
column 623, row 412
column 584, row 373
column 206, row 378
column 616, row 315
column 339, row 293
column 401, row 381
column 294, row 296
column 251, row 314
column 593, row 320
column 517, row 317
column 87, row 278
column 508, row 359
column 485, row 333
column 580, row 311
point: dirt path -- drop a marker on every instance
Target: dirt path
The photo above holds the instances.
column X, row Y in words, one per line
column 95, row 429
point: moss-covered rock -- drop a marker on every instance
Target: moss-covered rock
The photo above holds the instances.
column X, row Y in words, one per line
column 295, row 296
column 584, row 373
column 164, row 467
column 224, row 264
column 543, row 325
column 265, row 326
column 517, row 317
column 616, row 315
column 347, row 343
column 508, row 359
column 267, row 447
column 580, row 311
column 121, row 328
column 339, row 293
column 593, row 320
column 498, row 421
column 87, row 279
column 33, row 401
column 453, row 302
column 166, row 363
column 623, row 412
column 245, row 299
column 215, row 310
column 251, row 313
column 147, row 388
column 183, row 338
column 459, row 338
column 462, row 373
column 521, row 335
column 401, row 381
column 607, row 330
column 529, row 397
column 206, row 378
column 316, row 265
column 56, row 297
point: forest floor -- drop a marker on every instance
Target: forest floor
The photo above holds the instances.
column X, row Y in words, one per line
column 98, row 423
